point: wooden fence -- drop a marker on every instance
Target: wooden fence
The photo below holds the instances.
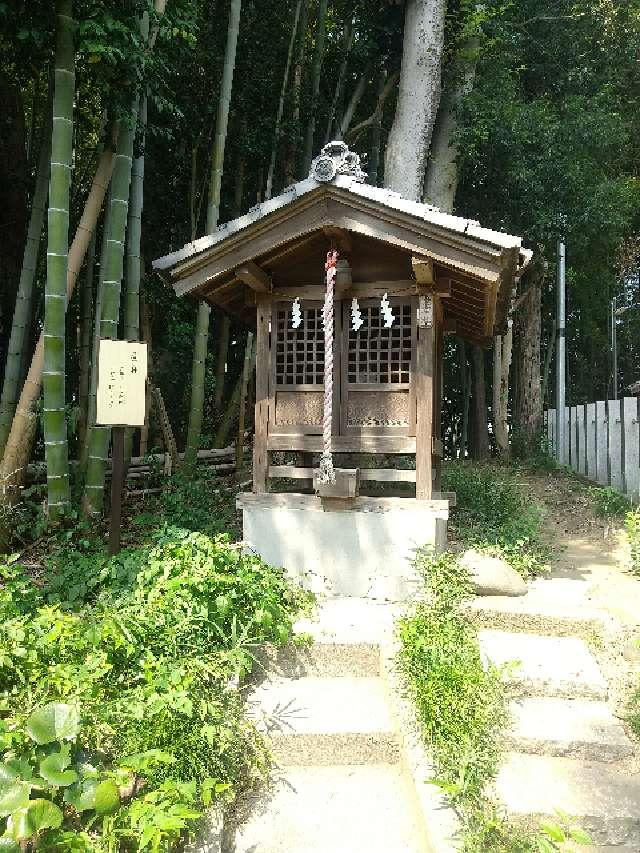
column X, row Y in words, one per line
column 602, row 442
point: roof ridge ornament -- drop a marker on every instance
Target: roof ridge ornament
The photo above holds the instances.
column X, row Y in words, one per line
column 336, row 159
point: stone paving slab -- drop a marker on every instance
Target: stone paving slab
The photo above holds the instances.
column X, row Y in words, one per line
column 332, row 810
column 326, row 720
column 350, row 620
column 578, row 728
column 558, row 606
column 602, row 801
column 320, row 659
column 546, row 666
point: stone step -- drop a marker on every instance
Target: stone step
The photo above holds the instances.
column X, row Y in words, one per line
column 557, row 606
column 345, row 620
column 343, row 809
column 319, row 659
column 577, row 728
column 546, row 666
column 316, row 721
column 602, row 801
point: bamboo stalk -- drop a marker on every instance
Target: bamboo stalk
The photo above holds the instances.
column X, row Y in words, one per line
column 315, row 84
column 194, row 429
column 337, row 95
column 20, row 440
column 283, row 91
column 99, row 436
column 18, row 339
column 55, row 305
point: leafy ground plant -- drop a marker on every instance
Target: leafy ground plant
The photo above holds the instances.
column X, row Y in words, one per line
column 147, row 645
column 608, row 502
column 461, row 707
column 632, row 528
column 496, row 515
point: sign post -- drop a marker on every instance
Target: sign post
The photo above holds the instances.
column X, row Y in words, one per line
column 122, row 376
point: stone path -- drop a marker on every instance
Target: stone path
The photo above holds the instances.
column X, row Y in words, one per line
column 569, row 749
column 341, row 784
column 349, row 778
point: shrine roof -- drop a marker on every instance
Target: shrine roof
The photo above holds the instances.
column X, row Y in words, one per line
column 335, row 195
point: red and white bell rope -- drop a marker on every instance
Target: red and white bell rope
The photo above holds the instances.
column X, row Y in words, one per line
column 326, row 473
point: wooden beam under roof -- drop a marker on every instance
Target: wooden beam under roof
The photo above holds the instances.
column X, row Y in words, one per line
column 254, row 277
column 423, row 270
column 341, row 238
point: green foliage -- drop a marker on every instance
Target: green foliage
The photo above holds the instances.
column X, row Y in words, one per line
column 461, row 708
column 148, row 644
column 496, row 515
column 608, row 503
column 461, row 705
column 46, row 758
column 632, row 528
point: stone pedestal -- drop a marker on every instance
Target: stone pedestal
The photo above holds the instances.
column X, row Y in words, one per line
column 362, row 547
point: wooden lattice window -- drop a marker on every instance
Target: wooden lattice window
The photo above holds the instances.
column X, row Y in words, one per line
column 299, row 352
column 377, row 355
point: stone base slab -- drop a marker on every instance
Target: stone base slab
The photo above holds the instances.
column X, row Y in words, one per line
column 363, row 547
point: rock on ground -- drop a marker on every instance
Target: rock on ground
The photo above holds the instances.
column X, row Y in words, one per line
column 492, row 575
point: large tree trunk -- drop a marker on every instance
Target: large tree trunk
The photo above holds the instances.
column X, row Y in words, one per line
column 283, row 92
column 480, row 437
column 418, row 97
column 213, row 212
column 55, row 303
column 19, row 443
column 316, row 69
column 527, row 409
column 99, row 436
column 20, row 327
column 441, row 181
column 502, row 349
column 13, row 201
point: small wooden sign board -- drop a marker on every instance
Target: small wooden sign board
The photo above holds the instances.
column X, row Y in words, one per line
column 120, row 402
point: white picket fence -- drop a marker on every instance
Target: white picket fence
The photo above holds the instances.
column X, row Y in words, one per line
column 602, row 442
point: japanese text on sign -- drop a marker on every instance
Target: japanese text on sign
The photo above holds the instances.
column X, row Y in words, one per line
column 122, row 374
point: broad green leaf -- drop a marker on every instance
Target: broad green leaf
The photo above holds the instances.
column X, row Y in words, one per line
column 19, row 768
column 52, row 722
column 29, row 821
column 53, row 768
column 13, row 796
column 82, row 795
column 554, row 831
column 8, row 845
column 580, row 836
column 107, row 798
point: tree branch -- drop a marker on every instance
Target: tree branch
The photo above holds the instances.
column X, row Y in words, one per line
column 357, row 129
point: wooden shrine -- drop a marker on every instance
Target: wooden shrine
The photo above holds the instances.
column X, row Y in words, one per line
column 351, row 289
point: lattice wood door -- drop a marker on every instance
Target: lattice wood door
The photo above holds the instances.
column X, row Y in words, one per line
column 377, row 366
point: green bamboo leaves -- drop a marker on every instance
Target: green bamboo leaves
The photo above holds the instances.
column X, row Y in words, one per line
column 55, row 427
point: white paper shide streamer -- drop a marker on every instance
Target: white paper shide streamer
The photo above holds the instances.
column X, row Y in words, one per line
column 387, row 312
column 296, row 314
column 356, row 315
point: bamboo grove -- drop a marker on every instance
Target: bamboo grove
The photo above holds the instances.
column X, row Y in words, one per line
column 128, row 128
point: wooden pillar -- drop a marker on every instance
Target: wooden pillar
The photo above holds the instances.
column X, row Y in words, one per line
column 424, row 402
column 437, row 401
column 263, row 361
